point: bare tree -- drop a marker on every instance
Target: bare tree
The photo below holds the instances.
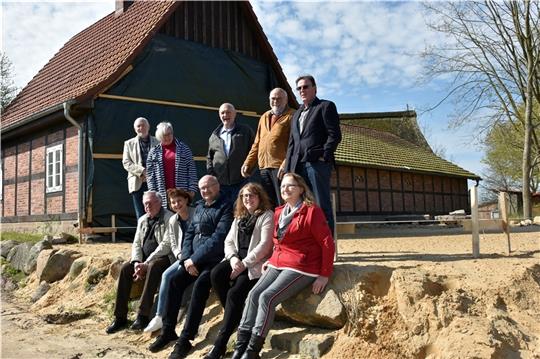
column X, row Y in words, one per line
column 8, row 90
column 491, row 53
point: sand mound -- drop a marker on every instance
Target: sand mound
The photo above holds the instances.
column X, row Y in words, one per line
column 421, row 297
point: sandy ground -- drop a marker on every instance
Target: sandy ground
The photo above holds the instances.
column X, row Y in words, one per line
column 25, row 333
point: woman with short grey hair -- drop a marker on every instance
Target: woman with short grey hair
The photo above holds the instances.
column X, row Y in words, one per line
column 170, row 164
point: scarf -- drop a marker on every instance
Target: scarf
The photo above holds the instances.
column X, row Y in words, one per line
column 286, row 217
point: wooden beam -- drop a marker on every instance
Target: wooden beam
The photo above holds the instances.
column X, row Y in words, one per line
column 474, row 222
column 118, row 156
column 176, row 104
column 503, row 213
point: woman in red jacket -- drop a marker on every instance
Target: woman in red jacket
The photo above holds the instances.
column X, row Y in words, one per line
column 303, row 255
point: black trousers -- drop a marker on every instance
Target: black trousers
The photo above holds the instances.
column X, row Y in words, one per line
column 232, row 295
column 179, row 282
column 271, row 183
column 156, row 267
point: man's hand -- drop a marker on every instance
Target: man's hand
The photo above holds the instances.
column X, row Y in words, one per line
column 319, row 284
column 140, row 271
column 143, row 175
column 237, row 267
column 244, row 171
column 190, row 267
column 281, row 172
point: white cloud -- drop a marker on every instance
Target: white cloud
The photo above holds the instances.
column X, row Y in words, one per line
column 32, row 32
column 368, row 43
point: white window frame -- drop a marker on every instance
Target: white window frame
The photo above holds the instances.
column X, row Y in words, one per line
column 54, row 170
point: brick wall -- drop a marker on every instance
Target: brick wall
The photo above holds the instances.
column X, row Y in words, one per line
column 24, row 177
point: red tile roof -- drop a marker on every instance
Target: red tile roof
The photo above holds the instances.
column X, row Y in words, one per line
column 90, row 61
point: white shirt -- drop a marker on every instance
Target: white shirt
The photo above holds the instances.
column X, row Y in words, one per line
column 226, row 136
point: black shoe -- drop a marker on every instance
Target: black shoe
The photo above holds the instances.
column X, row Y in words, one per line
column 118, row 324
column 216, row 353
column 140, row 323
column 242, row 340
column 181, row 349
column 162, row 341
column 254, row 347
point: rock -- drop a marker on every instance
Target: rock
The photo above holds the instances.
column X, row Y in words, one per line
column 5, row 247
column 325, row 311
column 63, row 238
column 34, row 253
column 76, row 268
column 536, row 220
column 53, row 264
column 18, row 255
column 311, row 343
column 95, row 275
column 40, row 291
column 114, row 269
column 48, row 237
column 66, row 317
column 525, row 223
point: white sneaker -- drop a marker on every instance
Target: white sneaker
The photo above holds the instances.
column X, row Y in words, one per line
column 155, row 324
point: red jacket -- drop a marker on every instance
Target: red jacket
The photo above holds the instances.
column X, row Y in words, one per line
column 307, row 245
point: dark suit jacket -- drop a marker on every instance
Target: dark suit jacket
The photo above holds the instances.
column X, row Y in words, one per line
column 320, row 137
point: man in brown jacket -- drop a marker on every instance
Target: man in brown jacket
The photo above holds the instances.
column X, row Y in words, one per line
column 270, row 145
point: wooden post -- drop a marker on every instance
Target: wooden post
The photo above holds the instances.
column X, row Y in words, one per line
column 113, row 225
column 474, row 222
column 503, row 213
column 335, row 226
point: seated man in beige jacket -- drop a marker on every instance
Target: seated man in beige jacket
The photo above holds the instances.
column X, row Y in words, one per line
column 148, row 262
column 270, row 146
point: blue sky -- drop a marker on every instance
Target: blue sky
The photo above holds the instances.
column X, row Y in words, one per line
column 364, row 55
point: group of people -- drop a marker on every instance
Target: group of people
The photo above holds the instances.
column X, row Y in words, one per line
column 255, row 244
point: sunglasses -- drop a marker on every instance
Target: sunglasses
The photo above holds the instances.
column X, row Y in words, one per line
column 304, row 87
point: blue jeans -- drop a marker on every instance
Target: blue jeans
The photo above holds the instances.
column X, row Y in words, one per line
column 164, row 288
column 317, row 176
column 137, row 200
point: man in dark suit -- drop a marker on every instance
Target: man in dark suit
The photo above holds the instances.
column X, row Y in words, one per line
column 315, row 135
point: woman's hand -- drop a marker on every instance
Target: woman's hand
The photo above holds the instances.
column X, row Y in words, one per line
column 237, row 267
column 319, row 284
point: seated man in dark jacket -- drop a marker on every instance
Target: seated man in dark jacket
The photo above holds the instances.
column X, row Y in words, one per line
column 202, row 249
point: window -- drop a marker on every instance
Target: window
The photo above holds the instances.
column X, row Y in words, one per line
column 54, row 168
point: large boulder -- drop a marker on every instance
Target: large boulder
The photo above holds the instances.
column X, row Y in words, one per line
column 54, row 264
column 324, row 311
column 76, row 268
column 34, row 253
column 18, row 255
column 5, row 247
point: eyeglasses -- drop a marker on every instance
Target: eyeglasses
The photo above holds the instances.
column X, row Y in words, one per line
column 303, row 87
column 288, row 186
column 248, row 195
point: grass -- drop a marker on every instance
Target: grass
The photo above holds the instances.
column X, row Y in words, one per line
column 8, row 271
column 21, row 237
